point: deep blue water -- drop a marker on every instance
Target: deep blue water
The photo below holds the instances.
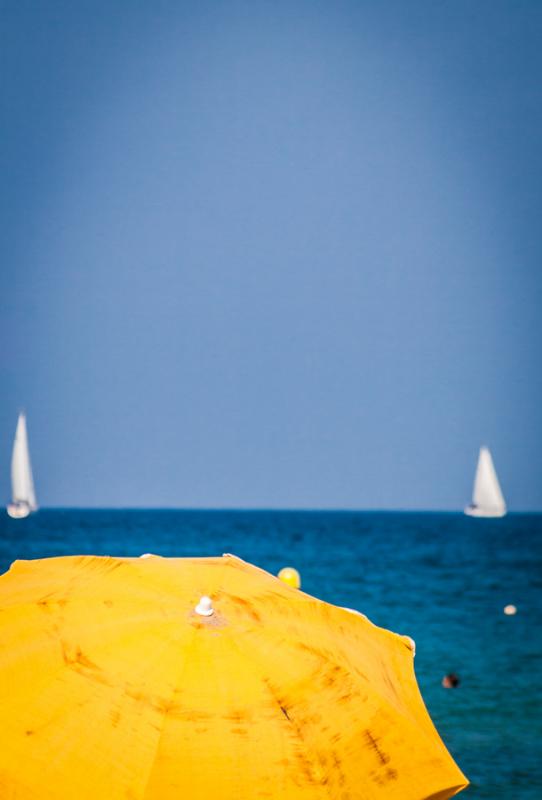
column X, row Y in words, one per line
column 441, row 578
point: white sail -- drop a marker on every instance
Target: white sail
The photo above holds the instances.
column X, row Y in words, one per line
column 22, row 483
column 487, row 498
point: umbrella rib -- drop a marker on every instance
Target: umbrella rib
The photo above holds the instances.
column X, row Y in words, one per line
column 164, row 719
column 308, row 758
column 307, row 754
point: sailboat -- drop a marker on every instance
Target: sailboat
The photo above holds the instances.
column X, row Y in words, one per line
column 22, row 483
column 487, row 499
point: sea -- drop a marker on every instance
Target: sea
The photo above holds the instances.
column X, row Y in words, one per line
column 442, row 578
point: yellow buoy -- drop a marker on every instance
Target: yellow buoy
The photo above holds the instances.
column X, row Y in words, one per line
column 290, row 576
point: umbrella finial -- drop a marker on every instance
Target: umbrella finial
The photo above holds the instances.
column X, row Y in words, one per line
column 205, row 607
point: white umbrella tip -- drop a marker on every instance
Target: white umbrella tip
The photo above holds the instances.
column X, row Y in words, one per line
column 411, row 643
column 205, row 607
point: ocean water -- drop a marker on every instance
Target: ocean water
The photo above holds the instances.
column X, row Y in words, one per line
column 441, row 578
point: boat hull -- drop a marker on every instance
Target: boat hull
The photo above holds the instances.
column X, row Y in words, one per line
column 475, row 511
column 18, row 510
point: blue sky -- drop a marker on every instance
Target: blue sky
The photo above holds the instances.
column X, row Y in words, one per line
column 276, row 254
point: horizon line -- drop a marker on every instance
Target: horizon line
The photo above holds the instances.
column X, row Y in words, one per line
column 267, row 509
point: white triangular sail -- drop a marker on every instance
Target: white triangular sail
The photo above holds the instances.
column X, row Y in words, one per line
column 487, row 498
column 22, row 482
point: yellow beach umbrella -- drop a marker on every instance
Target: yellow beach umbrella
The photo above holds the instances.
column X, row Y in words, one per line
column 203, row 679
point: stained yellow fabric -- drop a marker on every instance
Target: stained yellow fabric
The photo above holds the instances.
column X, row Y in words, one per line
column 111, row 687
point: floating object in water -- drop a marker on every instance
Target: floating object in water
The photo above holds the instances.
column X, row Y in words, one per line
column 290, row 576
column 450, row 681
column 510, row 610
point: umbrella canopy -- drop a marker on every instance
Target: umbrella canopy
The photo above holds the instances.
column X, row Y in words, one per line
column 118, row 679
